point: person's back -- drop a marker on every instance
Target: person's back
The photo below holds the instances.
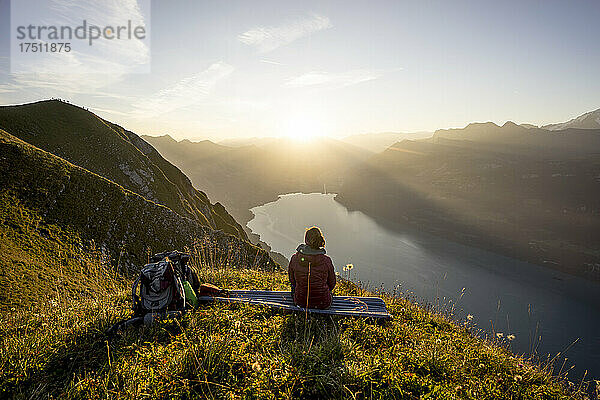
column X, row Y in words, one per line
column 311, row 273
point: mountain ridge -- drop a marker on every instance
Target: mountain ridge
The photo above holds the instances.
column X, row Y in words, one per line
column 511, row 137
column 588, row 120
column 111, row 151
column 122, row 222
column 379, row 141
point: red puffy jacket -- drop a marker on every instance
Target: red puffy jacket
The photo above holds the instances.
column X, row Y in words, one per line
column 322, row 278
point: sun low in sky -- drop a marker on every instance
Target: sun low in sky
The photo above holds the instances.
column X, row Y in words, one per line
column 307, row 69
column 303, row 128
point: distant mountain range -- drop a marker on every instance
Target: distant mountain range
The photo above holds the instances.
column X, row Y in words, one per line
column 107, row 185
column 242, row 142
column 529, row 193
column 373, row 142
column 251, row 175
column 511, row 137
column 378, row 142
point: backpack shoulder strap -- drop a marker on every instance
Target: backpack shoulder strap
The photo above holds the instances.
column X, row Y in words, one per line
column 134, row 295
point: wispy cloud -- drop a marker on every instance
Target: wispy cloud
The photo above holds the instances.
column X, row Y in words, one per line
column 86, row 68
column 6, row 89
column 340, row 79
column 186, row 92
column 268, row 38
column 271, row 62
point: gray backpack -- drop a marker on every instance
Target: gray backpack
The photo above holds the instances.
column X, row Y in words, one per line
column 161, row 289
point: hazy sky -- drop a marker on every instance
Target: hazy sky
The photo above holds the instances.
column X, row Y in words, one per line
column 264, row 68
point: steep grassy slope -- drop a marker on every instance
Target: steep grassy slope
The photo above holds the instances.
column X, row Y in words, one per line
column 123, row 224
column 40, row 262
column 114, row 153
column 231, row 352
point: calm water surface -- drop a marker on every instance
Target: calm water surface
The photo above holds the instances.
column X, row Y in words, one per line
column 504, row 295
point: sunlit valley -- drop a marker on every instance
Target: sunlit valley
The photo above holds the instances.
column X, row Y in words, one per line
column 527, row 194
column 449, row 154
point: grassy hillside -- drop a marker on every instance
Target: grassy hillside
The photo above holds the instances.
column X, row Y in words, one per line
column 121, row 156
column 41, row 262
column 224, row 352
column 122, row 224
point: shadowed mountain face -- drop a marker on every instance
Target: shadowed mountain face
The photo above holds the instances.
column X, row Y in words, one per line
column 112, row 152
column 527, row 193
column 378, row 142
column 123, row 224
column 241, row 142
column 590, row 120
column 513, row 138
column 248, row 176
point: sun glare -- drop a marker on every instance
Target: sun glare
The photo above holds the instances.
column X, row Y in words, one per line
column 302, row 128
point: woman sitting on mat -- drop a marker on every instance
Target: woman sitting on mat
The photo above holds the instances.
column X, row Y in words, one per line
column 311, row 272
